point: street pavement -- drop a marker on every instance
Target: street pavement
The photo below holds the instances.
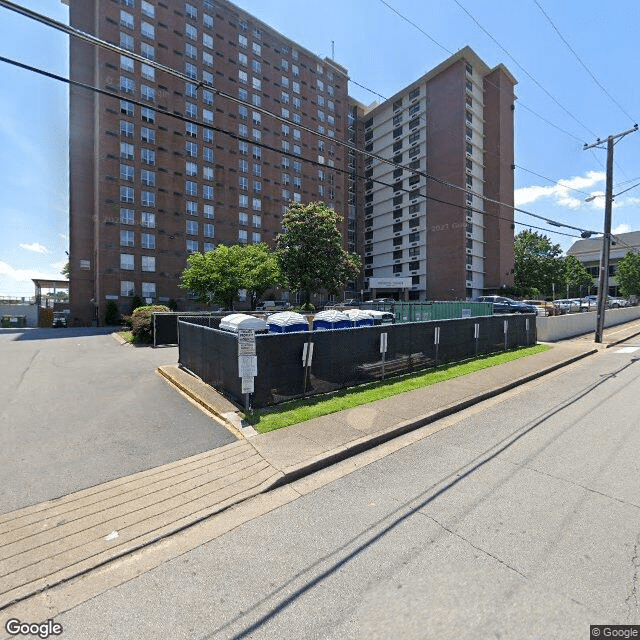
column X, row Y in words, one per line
column 517, row 519
column 78, row 408
column 45, row 546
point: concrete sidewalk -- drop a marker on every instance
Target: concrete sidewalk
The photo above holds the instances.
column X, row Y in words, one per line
column 51, row 542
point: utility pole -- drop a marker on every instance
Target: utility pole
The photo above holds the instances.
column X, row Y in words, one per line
column 603, row 281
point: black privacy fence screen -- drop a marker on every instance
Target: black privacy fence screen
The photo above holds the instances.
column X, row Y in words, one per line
column 342, row 357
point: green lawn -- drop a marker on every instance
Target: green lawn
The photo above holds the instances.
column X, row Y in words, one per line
column 297, row 411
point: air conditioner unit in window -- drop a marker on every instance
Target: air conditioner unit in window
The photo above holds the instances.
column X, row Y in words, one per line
column 468, row 267
column 469, row 283
column 469, row 236
column 468, row 251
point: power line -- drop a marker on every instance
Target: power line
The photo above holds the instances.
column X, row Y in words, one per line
column 413, row 24
column 579, row 59
column 566, row 186
column 237, row 137
column 538, row 84
column 102, row 43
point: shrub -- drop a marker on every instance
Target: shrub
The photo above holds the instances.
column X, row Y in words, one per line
column 142, row 321
column 111, row 314
column 136, row 302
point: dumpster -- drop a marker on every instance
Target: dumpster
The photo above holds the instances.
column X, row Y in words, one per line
column 360, row 318
column 382, row 317
column 331, row 319
column 236, row 321
column 287, row 322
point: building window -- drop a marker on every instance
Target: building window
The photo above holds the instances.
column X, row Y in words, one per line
column 148, row 9
column 192, row 246
column 148, row 290
column 242, row 41
column 126, row 238
column 190, row 31
column 148, row 178
column 126, row 216
column 191, row 188
column 148, row 220
column 126, row 151
column 192, row 228
column 127, row 194
column 148, row 263
column 127, row 262
column 207, row 154
column 256, row 237
column 148, row 115
column 148, row 30
column 208, row 230
column 126, row 288
column 126, row 19
column 148, row 156
column 242, row 236
column 192, row 208
column 191, row 149
column 147, row 93
column 126, row 172
column 148, row 199
column 126, row 108
column 207, row 40
column 207, row 20
column 126, row 129
column 147, row 51
column 147, row 135
column 147, row 241
column 126, row 41
column 209, row 211
column 191, row 11
column 209, row 246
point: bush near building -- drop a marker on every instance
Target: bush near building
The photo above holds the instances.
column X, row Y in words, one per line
column 141, row 321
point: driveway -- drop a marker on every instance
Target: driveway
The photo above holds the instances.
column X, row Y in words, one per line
column 77, row 408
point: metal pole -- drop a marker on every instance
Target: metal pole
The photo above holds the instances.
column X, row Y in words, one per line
column 603, row 281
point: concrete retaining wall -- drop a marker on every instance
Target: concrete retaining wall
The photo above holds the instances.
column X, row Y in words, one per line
column 28, row 310
column 553, row 328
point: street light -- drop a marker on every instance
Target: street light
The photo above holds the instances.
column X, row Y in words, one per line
column 602, row 195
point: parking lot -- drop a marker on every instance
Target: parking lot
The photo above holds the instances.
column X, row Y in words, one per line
column 78, row 408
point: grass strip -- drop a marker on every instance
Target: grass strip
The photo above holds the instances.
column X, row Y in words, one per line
column 300, row 410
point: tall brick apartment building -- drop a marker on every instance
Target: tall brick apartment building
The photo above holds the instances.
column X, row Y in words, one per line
column 171, row 166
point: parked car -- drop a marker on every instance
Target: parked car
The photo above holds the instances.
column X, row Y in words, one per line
column 507, row 305
column 568, row 305
column 617, row 303
column 590, row 303
column 59, row 319
column 543, row 307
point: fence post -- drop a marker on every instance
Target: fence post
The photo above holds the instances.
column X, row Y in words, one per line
column 506, row 329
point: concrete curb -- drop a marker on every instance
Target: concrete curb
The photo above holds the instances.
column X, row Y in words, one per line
column 355, row 447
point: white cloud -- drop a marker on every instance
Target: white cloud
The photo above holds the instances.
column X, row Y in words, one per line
column 18, row 281
column 562, row 193
column 621, row 228
column 35, row 246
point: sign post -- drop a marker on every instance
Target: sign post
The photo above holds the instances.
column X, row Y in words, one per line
column 476, row 335
column 307, row 357
column 383, row 349
column 506, row 331
column 247, row 362
column 436, row 341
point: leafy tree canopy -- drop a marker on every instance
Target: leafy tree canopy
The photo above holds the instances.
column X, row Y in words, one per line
column 310, row 250
column 629, row 275
column 538, row 263
column 218, row 275
column 575, row 275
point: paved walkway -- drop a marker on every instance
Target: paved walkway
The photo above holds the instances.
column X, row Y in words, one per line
column 53, row 541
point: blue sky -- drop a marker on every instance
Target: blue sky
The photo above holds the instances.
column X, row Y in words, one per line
column 383, row 52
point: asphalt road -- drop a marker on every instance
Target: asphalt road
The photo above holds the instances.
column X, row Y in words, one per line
column 77, row 408
column 521, row 521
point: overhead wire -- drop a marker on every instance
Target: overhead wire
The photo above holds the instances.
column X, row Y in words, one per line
column 582, row 63
column 523, row 69
column 133, row 101
column 91, row 39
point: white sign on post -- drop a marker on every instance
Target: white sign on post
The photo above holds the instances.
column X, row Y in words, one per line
column 307, row 354
column 247, row 366
column 246, row 342
column 436, row 336
column 476, row 330
column 247, row 385
column 383, row 342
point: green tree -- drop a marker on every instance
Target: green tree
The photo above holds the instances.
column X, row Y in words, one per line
column 65, row 270
column 537, row 263
column 260, row 270
column 310, row 250
column 218, row 275
column 214, row 276
column 575, row 275
column 629, row 275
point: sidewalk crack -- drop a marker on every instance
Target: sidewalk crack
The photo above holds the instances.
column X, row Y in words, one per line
column 632, row 599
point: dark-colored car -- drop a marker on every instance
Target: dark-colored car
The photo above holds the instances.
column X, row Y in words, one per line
column 507, row 305
column 59, row 319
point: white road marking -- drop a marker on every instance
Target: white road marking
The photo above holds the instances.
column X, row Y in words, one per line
column 626, row 350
